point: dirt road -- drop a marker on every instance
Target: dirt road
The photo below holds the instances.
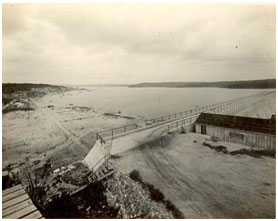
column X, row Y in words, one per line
column 203, row 183
column 56, row 121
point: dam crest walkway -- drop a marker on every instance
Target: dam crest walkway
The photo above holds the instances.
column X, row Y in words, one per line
column 121, row 139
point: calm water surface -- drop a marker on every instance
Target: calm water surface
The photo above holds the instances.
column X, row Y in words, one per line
column 145, row 102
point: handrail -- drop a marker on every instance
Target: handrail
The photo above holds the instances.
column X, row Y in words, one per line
column 194, row 116
column 191, row 111
column 102, row 141
column 117, row 128
column 125, row 127
column 104, row 157
column 200, row 108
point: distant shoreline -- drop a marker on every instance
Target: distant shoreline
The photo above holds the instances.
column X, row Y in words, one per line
column 251, row 84
column 254, row 84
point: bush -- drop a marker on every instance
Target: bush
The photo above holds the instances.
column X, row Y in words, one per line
column 176, row 212
column 156, row 194
column 135, row 175
column 6, row 100
column 61, row 207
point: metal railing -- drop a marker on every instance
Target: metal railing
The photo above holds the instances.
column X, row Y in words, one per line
column 197, row 110
column 110, row 134
column 178, row 124
column 185, row 115
column 106, row 157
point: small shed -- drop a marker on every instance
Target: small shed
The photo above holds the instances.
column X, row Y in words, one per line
column 253, row 132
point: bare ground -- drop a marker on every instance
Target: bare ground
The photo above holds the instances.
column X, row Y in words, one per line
column 199, row 181
column 61, row 134
column 203, row 183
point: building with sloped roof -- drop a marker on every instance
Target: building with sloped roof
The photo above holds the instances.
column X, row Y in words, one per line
column 253, row 132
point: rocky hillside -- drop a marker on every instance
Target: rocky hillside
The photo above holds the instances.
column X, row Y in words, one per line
column 15, row 96
column 32, row 89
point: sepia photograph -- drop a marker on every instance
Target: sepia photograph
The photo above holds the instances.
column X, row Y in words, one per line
column 138, row 110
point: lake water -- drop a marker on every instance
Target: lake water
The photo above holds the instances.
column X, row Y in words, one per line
column 145, row 102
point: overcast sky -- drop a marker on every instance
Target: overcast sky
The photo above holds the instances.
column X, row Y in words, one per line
column 132, row 42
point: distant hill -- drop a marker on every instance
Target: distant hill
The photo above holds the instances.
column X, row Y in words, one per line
column 254, row 84
column 9, row 88
column 101, row 85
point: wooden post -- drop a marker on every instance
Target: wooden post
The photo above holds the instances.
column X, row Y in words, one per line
column 168, row 128
column 112, row 133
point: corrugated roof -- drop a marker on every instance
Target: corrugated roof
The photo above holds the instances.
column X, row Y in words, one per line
column 267, row 126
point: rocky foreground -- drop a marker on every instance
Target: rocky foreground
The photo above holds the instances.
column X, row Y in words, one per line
column 117, row 196
column 132, row 200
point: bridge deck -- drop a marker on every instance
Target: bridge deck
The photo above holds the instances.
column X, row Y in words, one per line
column 122, row 139
column 16, row 204
column 111, row 134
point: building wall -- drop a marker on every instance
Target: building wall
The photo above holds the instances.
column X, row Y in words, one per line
column 252, row 139
column 187, row 128
column 198, row 128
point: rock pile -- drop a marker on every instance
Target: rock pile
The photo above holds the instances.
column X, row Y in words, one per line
column 45, row 185
column 66, row 180
column 132, row 200
column 117, row 196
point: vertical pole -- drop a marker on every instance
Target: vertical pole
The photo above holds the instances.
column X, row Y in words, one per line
column 112, row 133
column 168, row 128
